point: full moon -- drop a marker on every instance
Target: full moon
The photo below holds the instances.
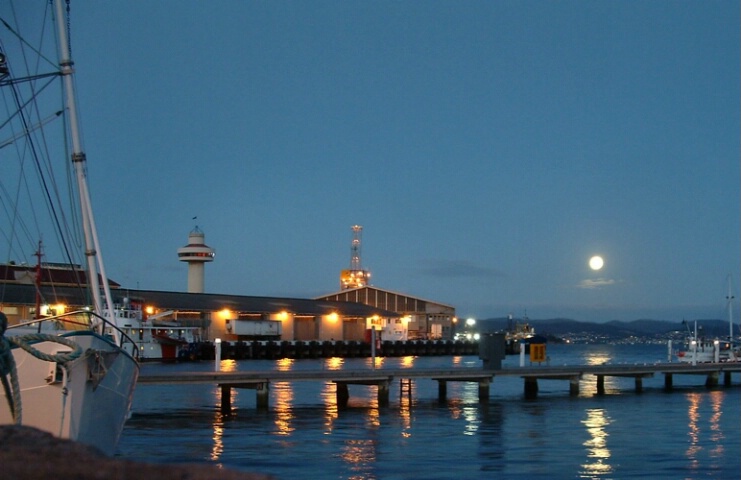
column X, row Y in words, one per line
column 596, row 262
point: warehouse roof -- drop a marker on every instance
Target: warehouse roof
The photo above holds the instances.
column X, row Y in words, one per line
column 21, row 294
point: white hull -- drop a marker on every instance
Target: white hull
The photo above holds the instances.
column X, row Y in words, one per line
column 155, row 341
column 700, row 350
column 87, row 401
column 707, row 354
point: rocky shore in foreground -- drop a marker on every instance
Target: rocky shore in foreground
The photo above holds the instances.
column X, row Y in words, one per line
column 30, row 454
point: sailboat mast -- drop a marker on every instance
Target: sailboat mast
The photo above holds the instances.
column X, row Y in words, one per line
column 730, row 310
column 92, row 247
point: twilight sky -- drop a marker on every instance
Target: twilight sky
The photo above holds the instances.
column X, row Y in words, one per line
column 488, row 149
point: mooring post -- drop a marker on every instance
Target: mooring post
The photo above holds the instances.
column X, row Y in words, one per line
column 574, row 386
column 600, row 384
column 383, row 393
column 217, row 354
column 343, row 395
column 442, row 390
column 226, row 400
column 484, row 390
column 668, row 381
column 263, row 395
column 522, row 354
column 712, row 380
column 531, row 387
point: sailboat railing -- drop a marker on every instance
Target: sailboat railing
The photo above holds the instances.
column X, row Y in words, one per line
column 82, row 320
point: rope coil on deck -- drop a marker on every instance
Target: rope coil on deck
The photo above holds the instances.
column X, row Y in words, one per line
column 7, row 362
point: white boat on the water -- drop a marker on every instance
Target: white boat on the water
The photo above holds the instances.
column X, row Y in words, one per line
column 157, row 336
column 72, row 375
column 699, row 349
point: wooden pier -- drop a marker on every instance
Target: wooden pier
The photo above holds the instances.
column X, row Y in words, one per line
column 382, row 378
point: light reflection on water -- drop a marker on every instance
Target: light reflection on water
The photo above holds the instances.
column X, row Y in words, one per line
column 218, row 438
column 596, row 423
column 697, row 432
column 334, row 363
column 228, row 366
column 283, row 395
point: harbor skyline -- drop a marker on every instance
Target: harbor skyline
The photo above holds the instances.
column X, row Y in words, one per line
column 488, row 149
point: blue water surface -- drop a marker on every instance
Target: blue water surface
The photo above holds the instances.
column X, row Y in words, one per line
column 691, row 432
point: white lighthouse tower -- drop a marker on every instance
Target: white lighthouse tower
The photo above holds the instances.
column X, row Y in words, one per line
column 196, row 253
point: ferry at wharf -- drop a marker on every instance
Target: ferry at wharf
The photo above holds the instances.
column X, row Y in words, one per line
column 156, row 337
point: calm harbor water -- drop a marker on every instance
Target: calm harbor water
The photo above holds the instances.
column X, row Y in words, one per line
column 690, row 433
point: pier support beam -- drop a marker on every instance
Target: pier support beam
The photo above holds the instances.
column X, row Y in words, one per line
column 574, row 386
column 226, row 400
column 600, row 384
column 484, row 390
column 442, row 391
column 343, row 394
column 712, row 380
column 727, row 379
column 383, row 394
column 263, row 395
column 531, row 387
column 668, row 382
column 639, row 384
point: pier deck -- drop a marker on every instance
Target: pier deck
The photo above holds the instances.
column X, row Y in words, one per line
column 382, row 378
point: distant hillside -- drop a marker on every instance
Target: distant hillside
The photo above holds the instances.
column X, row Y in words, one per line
column 614, row 328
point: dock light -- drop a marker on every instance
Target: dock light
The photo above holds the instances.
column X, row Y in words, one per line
column 470, row 322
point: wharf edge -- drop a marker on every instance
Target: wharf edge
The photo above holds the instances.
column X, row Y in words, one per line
column 382, row 378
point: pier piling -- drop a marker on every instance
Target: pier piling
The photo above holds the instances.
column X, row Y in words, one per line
column 383, row 394
column 343, row 394
column 484, row 390
column 600, row 384
column 442, row 391
column 531, row 387
column 574, row 386
column 263, row 395
column 226, row 400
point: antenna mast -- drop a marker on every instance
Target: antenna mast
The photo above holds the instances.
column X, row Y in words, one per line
column 355, row 277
